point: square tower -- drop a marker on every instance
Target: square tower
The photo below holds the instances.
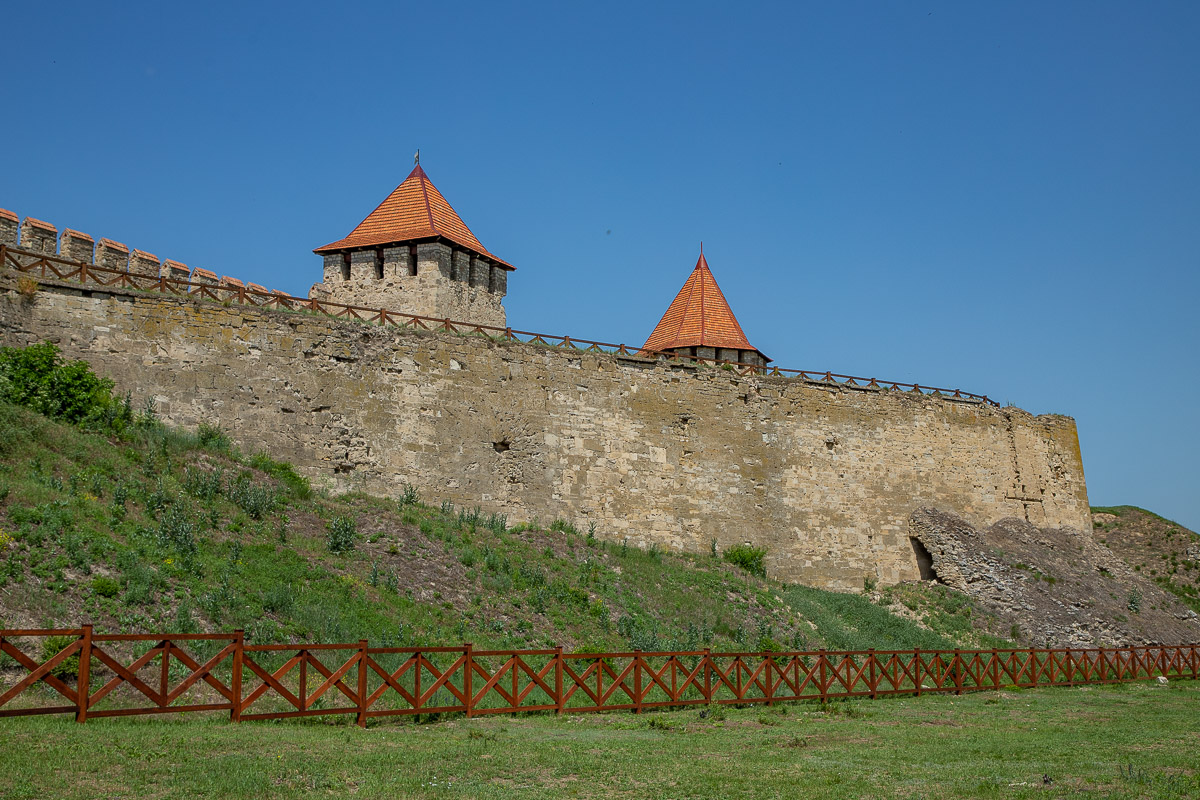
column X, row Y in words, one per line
column 415, row 254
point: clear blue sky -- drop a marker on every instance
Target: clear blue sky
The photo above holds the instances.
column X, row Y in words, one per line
column 1003, row 197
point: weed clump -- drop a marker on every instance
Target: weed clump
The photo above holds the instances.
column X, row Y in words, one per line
column 341, row 535
column 52, row 646
column 748, row 558
column 105, row 587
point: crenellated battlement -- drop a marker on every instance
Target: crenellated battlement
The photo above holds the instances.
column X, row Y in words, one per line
column 38, row 236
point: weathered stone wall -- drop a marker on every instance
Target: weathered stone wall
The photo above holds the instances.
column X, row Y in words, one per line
column 825, row 478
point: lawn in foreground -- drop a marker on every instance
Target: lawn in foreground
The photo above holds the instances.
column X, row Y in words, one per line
column 1134, row 740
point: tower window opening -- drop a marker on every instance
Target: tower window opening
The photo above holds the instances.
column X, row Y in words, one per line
column 412, row 259
column 345, row 266
column 379, row 264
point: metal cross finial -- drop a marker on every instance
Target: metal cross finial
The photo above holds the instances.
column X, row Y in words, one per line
column 417, row 157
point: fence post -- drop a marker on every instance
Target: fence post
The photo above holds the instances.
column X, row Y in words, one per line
column 637, row 681
column 362, row 683
column 469, row 666
column 235, row 680
column 873, row 680
column 1193, row 662
column 917, row 669
column 708, row 674
column 558, row 671
column 821, row 668
column 83, row 690
column 1034, row 666
column 957, row 671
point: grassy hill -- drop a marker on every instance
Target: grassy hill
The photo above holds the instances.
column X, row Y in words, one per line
column 119, row 520
column 1160, row 549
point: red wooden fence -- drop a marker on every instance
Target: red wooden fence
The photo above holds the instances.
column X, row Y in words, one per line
column 58, row 268
column 160, row 673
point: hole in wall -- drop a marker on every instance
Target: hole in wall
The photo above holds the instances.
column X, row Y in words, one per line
column 924, row 560
column 502, row 445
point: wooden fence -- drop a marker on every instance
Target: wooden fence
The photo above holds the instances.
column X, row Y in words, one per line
column 50, row 267
column 173, row 673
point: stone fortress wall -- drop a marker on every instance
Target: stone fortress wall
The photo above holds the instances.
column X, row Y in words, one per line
column 824, row 476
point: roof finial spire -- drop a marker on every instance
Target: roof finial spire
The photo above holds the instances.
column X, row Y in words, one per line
column 417, row 157
column 701, row 247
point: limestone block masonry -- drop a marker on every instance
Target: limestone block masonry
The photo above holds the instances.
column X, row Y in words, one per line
column 825, row 478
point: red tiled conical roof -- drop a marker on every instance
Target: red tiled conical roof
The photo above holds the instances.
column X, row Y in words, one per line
column 699, row 316
column 415, row 210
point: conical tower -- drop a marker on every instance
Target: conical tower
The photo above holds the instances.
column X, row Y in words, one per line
column 414, row 253
column 699, row 322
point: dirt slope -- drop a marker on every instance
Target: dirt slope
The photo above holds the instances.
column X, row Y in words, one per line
column 1059, row 587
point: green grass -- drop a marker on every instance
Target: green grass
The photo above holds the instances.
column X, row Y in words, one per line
column 1112, row 742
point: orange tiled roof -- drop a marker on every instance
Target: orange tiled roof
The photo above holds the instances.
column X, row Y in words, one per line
column 415, row 210
column 76, row 234
column 37, row 223
column 110, row 244
column 6, row 214
column 699, row 316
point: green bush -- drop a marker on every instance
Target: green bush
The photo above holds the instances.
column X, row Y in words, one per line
column 748, row 558
column 341, row 535
column 38, row 378
column 52, row 646
column 105, row 587
column 212, row 437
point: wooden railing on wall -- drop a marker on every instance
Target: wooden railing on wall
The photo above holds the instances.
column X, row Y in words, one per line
column 167, row 673
column 50, row 267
